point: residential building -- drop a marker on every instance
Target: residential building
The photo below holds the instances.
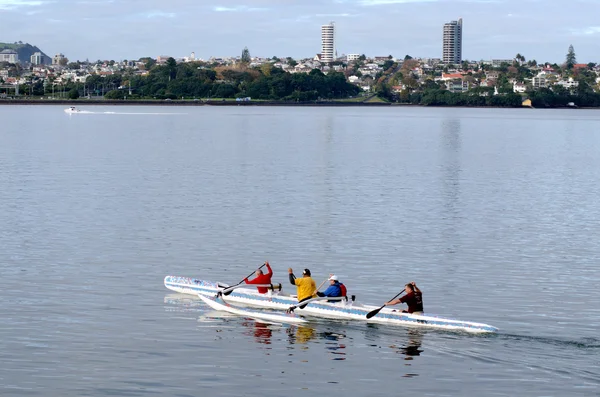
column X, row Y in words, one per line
column 457, row 85
column 539, row 81
column 328, row 52
column 450, row 76
column 352, row 57
column 162, row 59
column 58, row 58
column 10, row 56
column 498, row 62
column 452, row 42
column 37, row 58
column 519, row 87
column 570, row 83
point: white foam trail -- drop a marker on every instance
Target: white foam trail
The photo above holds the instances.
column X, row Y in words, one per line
column 130, row 113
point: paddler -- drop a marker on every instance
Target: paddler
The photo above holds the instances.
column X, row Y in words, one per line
column 335, row 289
column 305, row 286
column 413, row 298
column 261, row 278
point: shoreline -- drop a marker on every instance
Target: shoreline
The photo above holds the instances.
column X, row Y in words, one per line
column 112, row 102
column 142, row 102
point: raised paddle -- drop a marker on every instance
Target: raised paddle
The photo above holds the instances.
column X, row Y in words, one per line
column 374, row 312
column 229, row 290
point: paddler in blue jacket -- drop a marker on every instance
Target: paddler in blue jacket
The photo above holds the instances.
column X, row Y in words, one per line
column 335, row 288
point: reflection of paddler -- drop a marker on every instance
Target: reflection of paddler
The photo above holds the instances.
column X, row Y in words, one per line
column 302, row 335
column 261, row 331
column 413, row 346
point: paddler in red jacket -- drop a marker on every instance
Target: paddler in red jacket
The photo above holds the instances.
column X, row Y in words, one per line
column 261, row 278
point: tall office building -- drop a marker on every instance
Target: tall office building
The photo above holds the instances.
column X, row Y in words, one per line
column 452, row 47
column 328, row 42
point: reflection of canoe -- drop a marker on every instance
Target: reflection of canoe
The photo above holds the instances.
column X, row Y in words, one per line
column 344, row 310
column 219, row 304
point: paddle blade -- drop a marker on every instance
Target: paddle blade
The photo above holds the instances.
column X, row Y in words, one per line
column 374, row 312
column 226, row 293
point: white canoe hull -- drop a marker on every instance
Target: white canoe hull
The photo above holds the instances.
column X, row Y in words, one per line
column 339, row 310
column 219, row 304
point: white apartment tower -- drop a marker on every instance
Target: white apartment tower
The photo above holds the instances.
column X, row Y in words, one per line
column 452, row 43
column 328, row 42
column 37, row 58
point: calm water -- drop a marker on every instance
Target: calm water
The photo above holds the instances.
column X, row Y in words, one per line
column 494, row 213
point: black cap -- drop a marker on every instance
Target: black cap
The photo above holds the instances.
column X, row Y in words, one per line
column 306, row 272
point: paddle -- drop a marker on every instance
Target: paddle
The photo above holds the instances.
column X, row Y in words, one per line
column 374, row 312
column 320, row 285
column 303, row 304
column 229, row 290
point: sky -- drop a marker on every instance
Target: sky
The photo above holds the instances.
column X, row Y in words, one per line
column 131, row 29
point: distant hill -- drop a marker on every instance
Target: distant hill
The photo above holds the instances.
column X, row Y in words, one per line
column 25, row 51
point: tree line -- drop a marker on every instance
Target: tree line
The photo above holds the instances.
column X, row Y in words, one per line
column 196, row 80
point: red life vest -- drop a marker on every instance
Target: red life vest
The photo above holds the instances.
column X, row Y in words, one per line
column 344, row 290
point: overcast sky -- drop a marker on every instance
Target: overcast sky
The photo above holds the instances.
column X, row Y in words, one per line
column 130, row 29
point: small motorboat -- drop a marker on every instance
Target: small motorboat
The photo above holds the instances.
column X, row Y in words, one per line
column 72, row 109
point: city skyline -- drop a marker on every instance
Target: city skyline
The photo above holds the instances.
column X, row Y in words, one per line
column 90, row 29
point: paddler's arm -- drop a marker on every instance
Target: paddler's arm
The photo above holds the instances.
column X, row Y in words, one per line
column 269, row 271
column 292, row 277
column 394, row 302
column 415, row 286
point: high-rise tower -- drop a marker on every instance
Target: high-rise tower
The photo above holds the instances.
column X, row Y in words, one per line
column 452, row 42
column 328, row 42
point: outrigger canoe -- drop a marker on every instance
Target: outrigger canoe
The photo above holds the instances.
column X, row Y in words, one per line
column 341, row 310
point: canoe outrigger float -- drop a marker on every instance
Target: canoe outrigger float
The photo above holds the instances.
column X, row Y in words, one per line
column 221, row 305
column 342, row 309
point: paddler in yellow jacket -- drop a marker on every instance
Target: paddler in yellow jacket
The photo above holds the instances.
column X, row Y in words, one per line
column 306, row 286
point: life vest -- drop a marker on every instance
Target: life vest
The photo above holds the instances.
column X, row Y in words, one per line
column 343, row 289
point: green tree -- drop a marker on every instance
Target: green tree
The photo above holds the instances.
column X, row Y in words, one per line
column 171, row 68
column 246, row 59
column 73, row 93
column 291, row 61
column 570, row 59
column 114, row 94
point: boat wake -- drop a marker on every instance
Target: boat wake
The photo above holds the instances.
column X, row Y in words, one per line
column 129, row 113
column 583, row 343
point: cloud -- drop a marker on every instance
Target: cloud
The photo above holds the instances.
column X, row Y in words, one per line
column 239, row 9
column 388, row 2
column 14, row 4
column 158, row 14
column 590, row 30
column 344, row 15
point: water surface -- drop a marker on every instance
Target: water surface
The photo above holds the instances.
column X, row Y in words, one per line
column 494, row 213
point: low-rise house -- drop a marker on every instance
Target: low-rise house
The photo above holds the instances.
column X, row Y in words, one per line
column 568, row 84
column 457, row 85
column 519, row 87
column 449, row 76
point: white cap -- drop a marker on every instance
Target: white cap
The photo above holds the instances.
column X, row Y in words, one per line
column 334, row 278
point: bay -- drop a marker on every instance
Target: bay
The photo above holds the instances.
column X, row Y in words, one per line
column 493, row 212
